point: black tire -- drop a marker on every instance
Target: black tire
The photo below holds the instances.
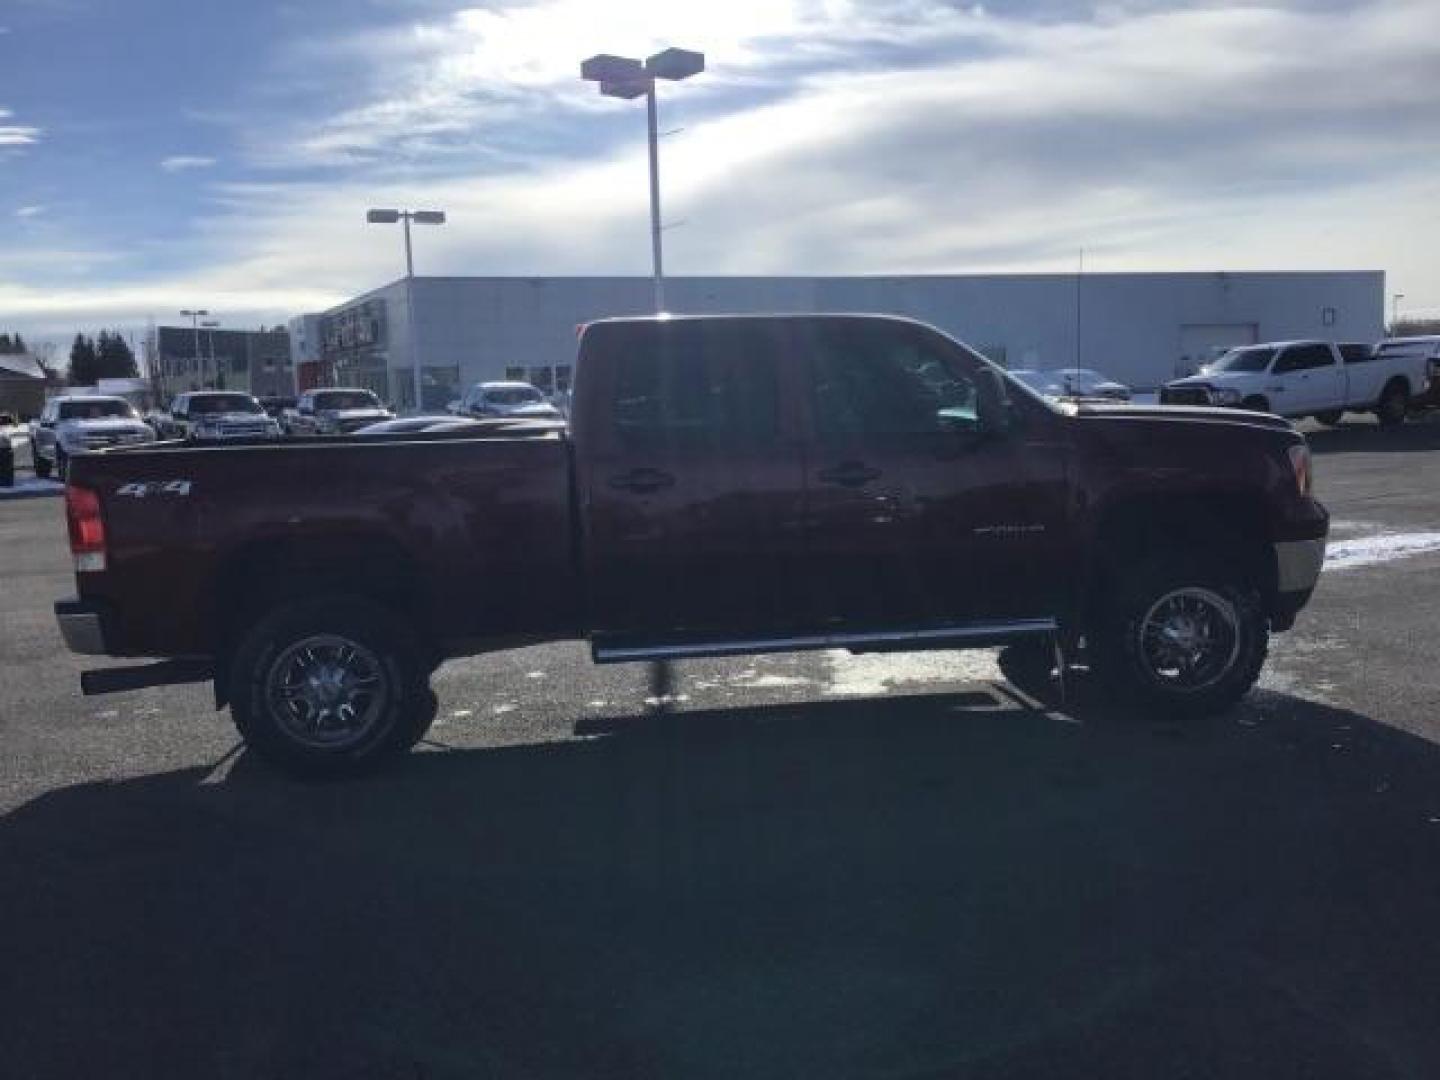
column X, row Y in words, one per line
column 1331, row 418
column 1129, row 653
column 1256, row 404
column 1394, row 404
column 62, row 464
column 42, row 465
column 273, row 687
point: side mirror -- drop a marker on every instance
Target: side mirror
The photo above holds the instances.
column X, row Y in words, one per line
column 992, row 403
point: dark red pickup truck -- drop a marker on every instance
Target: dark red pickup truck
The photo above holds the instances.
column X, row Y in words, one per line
column 727, row 485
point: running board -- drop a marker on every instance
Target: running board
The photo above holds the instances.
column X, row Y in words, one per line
column 975, row 635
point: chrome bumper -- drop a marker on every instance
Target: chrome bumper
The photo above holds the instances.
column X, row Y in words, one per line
column 80, row 627
column 1298, row 564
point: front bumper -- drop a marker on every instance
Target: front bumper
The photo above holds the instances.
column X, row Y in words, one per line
column 82, row 627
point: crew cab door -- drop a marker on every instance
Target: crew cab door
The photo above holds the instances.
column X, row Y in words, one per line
column 914, row 518
column 1312, row 378
column 690, row 480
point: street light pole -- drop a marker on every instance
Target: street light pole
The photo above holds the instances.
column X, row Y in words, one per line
column 656, row 259
column 195, row 317
column 625, row 77
column 424, row 217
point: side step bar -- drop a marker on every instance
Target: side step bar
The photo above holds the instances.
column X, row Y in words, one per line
column 164, row 673
column 974, row 635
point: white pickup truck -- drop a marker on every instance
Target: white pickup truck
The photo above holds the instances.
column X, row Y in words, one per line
column 1308, row 378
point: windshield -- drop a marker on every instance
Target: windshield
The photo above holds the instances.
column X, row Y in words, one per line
column 97, row 409
column 1252, row 359
column 514, row 395
column 223, row 403
column 347, row 399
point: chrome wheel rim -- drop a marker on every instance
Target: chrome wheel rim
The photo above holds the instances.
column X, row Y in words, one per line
column 327, row 692
column 1189, row 639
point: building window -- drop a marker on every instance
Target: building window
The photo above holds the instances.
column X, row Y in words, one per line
column 514, row 374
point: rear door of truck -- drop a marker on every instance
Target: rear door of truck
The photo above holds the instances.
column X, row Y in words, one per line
column 690, row 480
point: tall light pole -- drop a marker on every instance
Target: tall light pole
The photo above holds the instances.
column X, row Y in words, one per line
column 210, row 325
column 623, row 77
column 1395, row 310
column 421, row 217
column 195, row 317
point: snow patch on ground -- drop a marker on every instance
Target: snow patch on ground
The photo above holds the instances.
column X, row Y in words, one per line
column 872, row 674
column 1372, row 550
column 752, row 680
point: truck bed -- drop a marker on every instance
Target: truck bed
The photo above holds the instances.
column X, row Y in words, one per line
column 474, row 531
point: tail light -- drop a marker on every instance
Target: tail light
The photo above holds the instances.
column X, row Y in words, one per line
column 1300, row 462
column 87, row 528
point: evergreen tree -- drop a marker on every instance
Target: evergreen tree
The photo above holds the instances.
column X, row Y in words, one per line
column 84, row 363
column 115, row 358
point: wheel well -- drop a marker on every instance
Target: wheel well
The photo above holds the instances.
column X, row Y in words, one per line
column 1257, row 403
column 1396, row 381
column 254, row 578
column 1228, row 528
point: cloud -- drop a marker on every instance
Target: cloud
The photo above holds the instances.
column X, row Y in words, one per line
column 27, row 212
column 182, row 162
column 13, row 135
column 894, row 136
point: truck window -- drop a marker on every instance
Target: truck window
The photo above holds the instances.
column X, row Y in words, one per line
column 871, row 379
column 705, row 382
column 1304, row 358
column 1354, row 353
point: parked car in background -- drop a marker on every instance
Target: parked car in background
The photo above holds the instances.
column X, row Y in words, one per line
column 1307, row 378
column 728, row 486
column 277, row 408
column 216, row 414
column 1077, row 383
column 336, row 412
column 75, row 424
column 412, row 424
column 1085, row 383
column 507, row 399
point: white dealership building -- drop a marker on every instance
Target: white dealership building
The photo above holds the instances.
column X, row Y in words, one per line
column 1140, row 328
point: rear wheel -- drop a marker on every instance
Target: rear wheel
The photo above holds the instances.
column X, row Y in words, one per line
column 1181, row 634
column 1331, row 418
column 330, row 686
column 1394, row 404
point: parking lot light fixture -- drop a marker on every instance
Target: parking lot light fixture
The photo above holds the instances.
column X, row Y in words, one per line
column 627, row 78
column 195, row 316
column 405, row 217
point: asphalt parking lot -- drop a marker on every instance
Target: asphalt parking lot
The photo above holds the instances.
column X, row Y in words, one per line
column 813, row 866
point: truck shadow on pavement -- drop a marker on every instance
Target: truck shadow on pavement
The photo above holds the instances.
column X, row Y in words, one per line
column 935, row 886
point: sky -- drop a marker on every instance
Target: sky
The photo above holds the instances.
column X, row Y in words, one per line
column 162, row 154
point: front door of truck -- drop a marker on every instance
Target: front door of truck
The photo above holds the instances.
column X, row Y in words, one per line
column 1312, row 377
column 913, row 517
column 691, row 481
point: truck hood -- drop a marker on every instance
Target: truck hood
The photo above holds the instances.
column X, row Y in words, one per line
column 114, row 425
column 1161, row 414
column 230, row 418
column 359, row 414
column 1219, row 378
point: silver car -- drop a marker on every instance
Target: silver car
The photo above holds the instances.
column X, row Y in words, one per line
column 76, row 424
column 218, row 414
column 508, row 399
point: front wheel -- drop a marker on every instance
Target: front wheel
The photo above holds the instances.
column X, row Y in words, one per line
column 330, row 686
column 1183, row 636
